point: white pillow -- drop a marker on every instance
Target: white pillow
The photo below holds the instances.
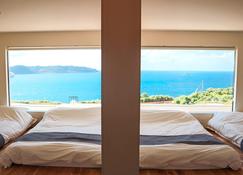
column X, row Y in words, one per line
column 220, row 119
column 66, row 114
column 13, row 122
column 228, row 125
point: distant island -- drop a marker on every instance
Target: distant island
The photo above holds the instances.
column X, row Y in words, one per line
column 20, row 69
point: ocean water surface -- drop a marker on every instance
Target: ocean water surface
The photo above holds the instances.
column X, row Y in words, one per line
column 87, row 86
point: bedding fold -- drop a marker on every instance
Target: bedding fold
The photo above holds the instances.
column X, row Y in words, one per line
column 71, row 138
column 196, row 139
column 2, row 141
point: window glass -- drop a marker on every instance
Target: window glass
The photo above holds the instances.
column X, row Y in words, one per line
column 52, row 77
column 187, row 79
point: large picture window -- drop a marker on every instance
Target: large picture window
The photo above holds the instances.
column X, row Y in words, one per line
column 188, row 79
column 51, row 77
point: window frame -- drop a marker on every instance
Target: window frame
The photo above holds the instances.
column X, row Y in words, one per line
column 37, row 48
column 234, row 85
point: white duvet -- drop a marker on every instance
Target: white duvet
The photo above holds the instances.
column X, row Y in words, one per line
column 76, row 154
column 13, row 122
column 228, row 125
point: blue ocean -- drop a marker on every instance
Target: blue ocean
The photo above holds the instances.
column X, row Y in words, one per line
column 87, row 86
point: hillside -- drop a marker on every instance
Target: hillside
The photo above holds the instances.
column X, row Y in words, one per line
column 211, row 95
column 19, row 69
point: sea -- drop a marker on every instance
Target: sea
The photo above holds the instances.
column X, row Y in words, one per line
column 87, row 86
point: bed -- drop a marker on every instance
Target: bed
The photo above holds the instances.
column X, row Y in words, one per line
column 168, row 140
column 228, row 125
column 13, row 123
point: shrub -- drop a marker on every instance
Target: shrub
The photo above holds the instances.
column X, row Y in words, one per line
column 155, row 98
column 211, row 95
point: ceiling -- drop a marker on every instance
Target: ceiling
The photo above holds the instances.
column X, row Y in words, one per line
column 72, row 15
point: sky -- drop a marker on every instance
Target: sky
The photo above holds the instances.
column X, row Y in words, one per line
column 151, row 59
column 188, row 60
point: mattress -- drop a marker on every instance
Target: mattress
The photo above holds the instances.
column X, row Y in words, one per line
column 188, row 153
column 229, row 125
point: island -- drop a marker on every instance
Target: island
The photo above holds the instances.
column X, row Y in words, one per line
column 20, row 69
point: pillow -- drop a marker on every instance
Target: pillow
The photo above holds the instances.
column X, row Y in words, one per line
column 13, row 122
column 72, row 115
column 228, row 125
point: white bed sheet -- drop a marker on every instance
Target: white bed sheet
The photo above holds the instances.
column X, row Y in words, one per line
column 167, row 156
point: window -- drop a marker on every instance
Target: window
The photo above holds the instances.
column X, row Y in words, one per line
column 188, row 79
column 49, row 77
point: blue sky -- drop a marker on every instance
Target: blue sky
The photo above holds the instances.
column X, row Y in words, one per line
column 151, row 59
column 188, row 60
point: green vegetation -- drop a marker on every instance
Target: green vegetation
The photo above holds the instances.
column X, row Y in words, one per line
column 90, row 102
column 37, row 102
column 46, row 102
column 145, row 98
column 211, row 95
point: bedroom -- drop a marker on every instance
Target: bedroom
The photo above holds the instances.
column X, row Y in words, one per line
column 126, row 82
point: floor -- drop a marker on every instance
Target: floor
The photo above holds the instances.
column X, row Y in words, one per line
column 34, row 170
column 29, row 170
